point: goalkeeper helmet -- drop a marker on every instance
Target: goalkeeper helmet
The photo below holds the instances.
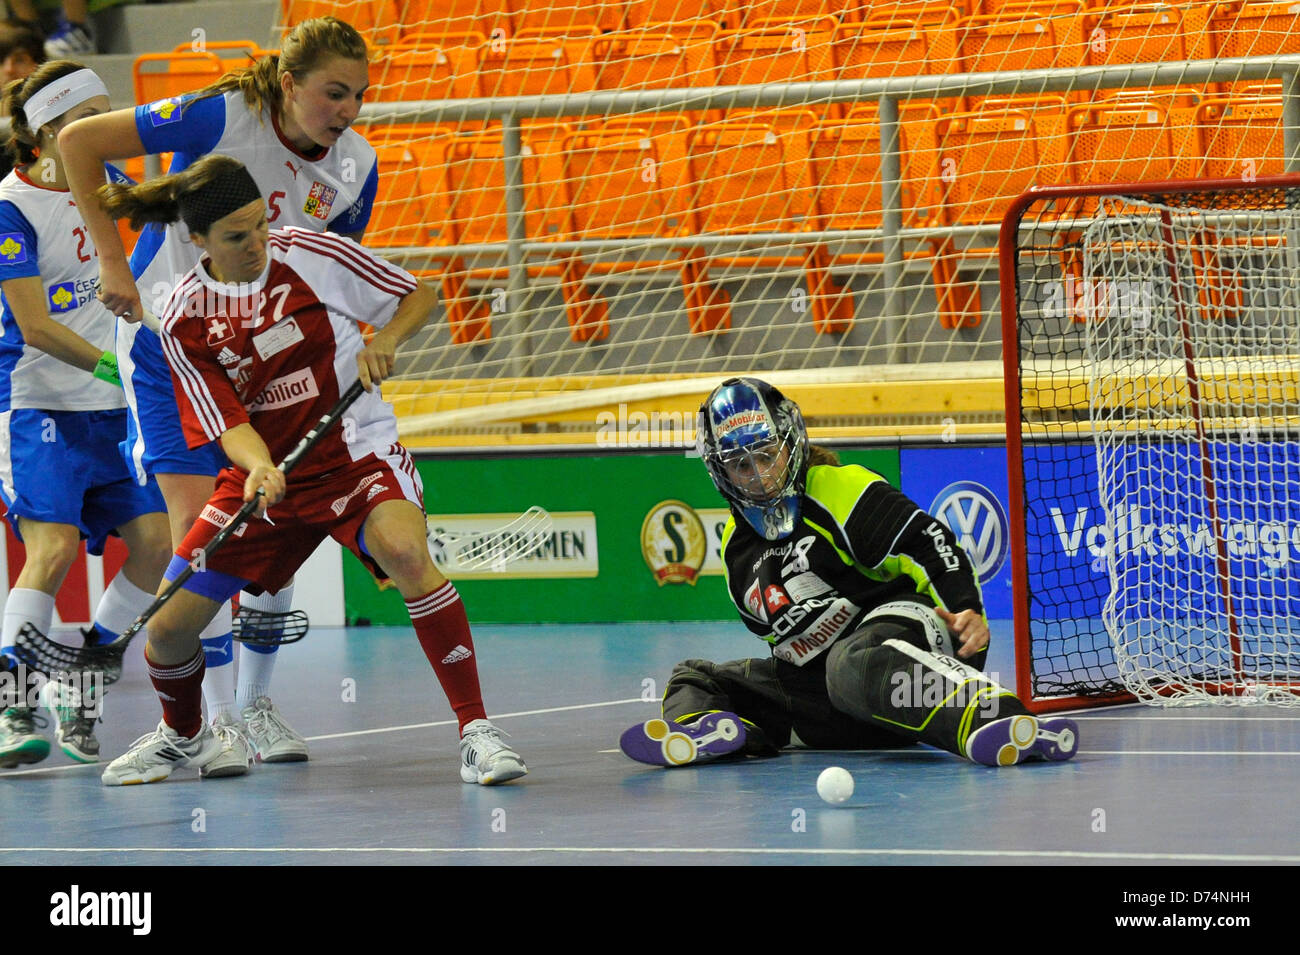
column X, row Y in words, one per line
column 754, row 443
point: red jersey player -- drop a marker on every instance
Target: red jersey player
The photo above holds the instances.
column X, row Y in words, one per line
column 262, row 338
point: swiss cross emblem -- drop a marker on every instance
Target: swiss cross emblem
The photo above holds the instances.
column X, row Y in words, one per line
column 775, row 598
column 319, row 200
column 220, row 330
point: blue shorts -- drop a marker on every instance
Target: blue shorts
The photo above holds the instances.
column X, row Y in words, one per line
column 155, row 443
column 64, row 467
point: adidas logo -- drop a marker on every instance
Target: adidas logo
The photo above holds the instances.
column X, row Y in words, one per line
column 460, row 653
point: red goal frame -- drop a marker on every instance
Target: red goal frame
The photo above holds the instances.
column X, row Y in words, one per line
column 1010, row 294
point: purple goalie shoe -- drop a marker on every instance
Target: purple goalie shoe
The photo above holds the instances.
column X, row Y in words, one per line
column 661, row 743
column 1015, row 739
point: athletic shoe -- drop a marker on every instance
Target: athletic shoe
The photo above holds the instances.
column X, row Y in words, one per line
column 20, row 741
column 484, row 758
column 236, row 754
column 70, row 39
column 75, row 729
column 153, row 756
column 661, row 743
column 274, row 740
column 1014, row 739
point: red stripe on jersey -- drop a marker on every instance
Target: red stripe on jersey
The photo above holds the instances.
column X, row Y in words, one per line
column 344, row 246
column 206, row 408
column 382, row 275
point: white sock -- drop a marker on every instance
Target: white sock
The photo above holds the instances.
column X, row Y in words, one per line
column 121, row 604
column 257, row 664
column 25, row 606
column 219, row 660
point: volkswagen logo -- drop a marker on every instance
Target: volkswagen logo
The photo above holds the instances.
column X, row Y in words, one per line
column 975, row 515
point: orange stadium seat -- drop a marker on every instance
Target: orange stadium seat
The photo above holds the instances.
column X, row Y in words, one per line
column 777, row 51
column 476, row 185
column 846, row 167
column 1255, row 29
column 641, row 13
column 1241, row 136
column 237, row 53
column 538, row 63
column 607, row 15
column 626, row 182
column 403, row 134
column 746, row 178
column 437, row 66
column 618, row 187
column 410, row 210
column 476, row 210
column 488, row 17
column 755, row 11
column 901, row 41
column 376, row 20
column 629, row 179
column 1022, row 37
column 162, row 75
column 752, row 175
column 665, row 55
column 1147, row 33
column 994, row 154
column 408, row 181
column 1118, row 142
column 615, row 181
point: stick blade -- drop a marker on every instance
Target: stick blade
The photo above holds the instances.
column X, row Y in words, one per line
column 497, row 549
column 38, row 652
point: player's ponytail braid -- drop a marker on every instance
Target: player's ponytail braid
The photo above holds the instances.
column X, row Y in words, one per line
column 24, row 143
column 305, row 48
column 159, row 200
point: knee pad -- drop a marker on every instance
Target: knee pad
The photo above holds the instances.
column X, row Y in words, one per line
column 924, row 625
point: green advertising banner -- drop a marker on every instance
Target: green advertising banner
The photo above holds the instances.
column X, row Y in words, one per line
column 635, row 538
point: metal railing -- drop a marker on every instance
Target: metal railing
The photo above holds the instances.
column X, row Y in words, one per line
column 887, row 92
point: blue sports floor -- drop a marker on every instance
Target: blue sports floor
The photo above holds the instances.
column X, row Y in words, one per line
column 1205, row 786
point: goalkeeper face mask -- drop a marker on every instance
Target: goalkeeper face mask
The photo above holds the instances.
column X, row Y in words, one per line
column 754, row 443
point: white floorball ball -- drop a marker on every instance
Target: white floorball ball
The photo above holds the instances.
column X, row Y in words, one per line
column 835, row 785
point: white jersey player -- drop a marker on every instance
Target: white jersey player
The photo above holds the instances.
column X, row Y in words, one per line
column 62, row 413
column 287, row 120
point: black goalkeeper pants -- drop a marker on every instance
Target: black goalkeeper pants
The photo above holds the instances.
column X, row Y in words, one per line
column 863, row 693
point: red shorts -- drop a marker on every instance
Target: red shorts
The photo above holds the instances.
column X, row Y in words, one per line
column 268, row 552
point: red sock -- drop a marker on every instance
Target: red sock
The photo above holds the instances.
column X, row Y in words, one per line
column 180, row 688
column 443, row 632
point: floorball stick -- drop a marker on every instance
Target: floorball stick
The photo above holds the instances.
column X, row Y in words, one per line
column 493, row 549
column 45, row 655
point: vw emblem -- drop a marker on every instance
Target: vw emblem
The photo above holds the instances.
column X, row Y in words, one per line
column 974, row 514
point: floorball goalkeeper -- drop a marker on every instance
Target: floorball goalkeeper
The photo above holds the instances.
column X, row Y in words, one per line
column 870, row 607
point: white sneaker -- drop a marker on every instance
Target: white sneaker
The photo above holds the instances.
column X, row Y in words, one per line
column 484, row 758
column 20, row 737
column 274, row 740
column 153, row 756
column 236, row 754
column 75, row 717
column 70, row 40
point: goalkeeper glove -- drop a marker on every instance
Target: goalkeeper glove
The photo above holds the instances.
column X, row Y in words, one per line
column 106, row 370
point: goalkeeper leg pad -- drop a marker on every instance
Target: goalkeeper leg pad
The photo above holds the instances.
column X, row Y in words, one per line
column 660, row 743
column 1015, row 739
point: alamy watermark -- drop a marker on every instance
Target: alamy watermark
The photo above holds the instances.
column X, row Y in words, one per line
column 645, row 429
column 26, row 688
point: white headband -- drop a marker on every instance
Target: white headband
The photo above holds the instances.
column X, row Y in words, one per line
column 65, row 93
